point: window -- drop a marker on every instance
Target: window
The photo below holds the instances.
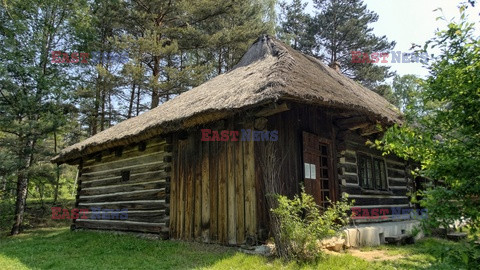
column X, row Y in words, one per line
column 142, row 146
column 125, row 175
column 371, row 172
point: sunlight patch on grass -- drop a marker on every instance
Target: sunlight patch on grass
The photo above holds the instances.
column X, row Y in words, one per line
column 7, row 263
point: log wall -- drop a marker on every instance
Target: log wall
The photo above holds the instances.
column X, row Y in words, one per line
column 135, row 178
column 213, row 192
column 290, row 125
column 398, row 178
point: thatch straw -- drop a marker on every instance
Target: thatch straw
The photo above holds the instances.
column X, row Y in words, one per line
column 269, row 71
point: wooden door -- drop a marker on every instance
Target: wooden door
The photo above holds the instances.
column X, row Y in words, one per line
column 318, row 168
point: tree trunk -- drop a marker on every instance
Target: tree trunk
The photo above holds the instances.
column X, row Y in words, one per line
column 57, row 176
column 219, row 68
column 97, row 107
column 102, row 115
column 155, row 74
column 22, row 188
column 138, row 101
column 20, row 204
column 271, row 162
column 132, row 100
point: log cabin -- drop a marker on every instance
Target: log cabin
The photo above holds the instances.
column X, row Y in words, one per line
column 182, row 184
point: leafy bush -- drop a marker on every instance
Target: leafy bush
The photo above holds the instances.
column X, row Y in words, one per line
column 443, row 208
column 466, row 255
column 302, row 225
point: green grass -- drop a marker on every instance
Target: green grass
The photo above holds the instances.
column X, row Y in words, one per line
column 59, row 248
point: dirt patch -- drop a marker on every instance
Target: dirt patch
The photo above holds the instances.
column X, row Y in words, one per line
column 374, row 255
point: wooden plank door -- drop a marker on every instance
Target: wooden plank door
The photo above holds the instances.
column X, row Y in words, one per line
column 318, row 168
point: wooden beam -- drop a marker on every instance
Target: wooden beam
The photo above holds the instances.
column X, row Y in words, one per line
column 123, row 225
column 369, row 130
column 272, row 109
column 353, row 123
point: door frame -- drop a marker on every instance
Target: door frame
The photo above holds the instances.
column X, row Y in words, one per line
column 331, row 156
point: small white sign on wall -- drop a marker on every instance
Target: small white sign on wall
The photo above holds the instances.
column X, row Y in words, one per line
column 307, row 170
column 310, row 171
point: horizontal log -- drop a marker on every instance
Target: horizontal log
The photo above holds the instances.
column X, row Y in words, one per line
column 126, row 162
column 379, row 201
column 352, row 123
column 153, row 216
column 123, row 188
column 395, row 173
column 401, row 187
column 379, row 194
column 126, row 196
column 129, row 151
column 357, row 190
column 121, row 225
column 349, row 157
column 397, row 182
column 362, row 148
column 350, row 178
column 395, row 165
column 134, row 178
column 348, row 167
column 399, row 192
column 118, row 170
column 130, row 205
column 351, row 190
column 140, row 168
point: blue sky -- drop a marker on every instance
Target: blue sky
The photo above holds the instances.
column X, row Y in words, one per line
column 412, row 21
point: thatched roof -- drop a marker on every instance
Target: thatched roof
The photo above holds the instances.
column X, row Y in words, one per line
column 269, row 71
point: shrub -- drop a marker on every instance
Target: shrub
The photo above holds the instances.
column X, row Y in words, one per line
column 303, row 224
column 466, row 255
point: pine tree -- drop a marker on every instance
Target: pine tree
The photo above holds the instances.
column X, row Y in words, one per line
column 183, row 43
column 99, row 78
column 342, row 26
column 33, row 91
column 294, row 26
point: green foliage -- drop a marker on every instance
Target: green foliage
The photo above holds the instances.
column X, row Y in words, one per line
column 406, row 95
column 303, row 225
column 294, row 25
column 344, row 26
column 385, row 91
column 442, row 133
column 467, row 256
column 337, row 29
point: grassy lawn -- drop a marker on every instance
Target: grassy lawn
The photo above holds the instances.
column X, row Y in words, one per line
column 59, row 248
